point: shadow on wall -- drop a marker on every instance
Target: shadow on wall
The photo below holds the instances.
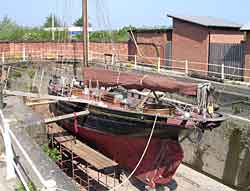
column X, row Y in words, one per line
column 237, row 164
column 199, row 152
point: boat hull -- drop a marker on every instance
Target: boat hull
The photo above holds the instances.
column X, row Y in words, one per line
column 159, row 164
column 161, row 160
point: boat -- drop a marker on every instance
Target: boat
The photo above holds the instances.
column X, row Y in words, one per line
column 130, row 118
column 124, row 107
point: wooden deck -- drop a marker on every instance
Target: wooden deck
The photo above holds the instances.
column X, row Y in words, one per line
column 92, row 157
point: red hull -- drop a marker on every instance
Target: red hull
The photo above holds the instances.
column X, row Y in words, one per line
column 159, row 164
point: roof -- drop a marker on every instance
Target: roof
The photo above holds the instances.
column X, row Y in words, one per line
column 245, row 27
column 160, row 29
column 207, row 21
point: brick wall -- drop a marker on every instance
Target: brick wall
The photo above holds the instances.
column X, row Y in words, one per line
column 68, row 49
column 150, row 44
column 247, row 57
column 226, row 36
column 190, row 42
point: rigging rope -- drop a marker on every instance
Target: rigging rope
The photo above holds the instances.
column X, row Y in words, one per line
column 131, row 34
column 142, row 157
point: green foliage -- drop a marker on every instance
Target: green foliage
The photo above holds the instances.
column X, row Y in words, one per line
column 78, row 23
column 48, row 21
column 53, row 153
column 20, row 187
column 31, row 73
column 24, row 65
column 16, row 74
column 236, row 108
column 119, row 35
column 10, row 31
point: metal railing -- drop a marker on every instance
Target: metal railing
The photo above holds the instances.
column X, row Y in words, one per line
column 155, row 64
column 9, row 136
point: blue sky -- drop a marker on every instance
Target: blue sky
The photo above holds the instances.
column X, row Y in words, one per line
column 120, row 13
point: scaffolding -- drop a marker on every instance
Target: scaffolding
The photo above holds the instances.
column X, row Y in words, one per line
column 89, row 168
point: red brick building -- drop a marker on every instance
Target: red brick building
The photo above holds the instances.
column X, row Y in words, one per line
column 246, row 30
column 193, row 36
column 149, row 43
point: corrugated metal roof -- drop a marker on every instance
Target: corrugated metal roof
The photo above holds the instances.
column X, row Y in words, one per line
column 207, row 21
column 245, row 27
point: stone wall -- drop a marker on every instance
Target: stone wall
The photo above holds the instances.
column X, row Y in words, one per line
column 223, row 154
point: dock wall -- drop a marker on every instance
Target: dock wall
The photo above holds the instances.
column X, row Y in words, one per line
column 223, row 154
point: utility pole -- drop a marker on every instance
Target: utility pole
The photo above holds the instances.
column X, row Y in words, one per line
column 85, row 32
column 53, row 26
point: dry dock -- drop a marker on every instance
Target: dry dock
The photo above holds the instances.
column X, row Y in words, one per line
column 186, row 179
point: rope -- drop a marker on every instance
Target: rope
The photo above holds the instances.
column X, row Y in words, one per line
column 202, row 95
column 135, row 42
column 139, row 162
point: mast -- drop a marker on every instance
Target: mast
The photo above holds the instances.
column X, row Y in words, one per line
column 85, row 32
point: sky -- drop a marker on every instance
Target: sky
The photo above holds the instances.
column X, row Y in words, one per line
column 118, row 13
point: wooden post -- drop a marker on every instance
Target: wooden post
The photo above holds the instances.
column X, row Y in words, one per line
column 85, row 32
column 186, row 67
column 53, row 27
column 222, row 71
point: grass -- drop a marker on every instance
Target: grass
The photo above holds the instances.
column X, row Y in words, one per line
column 16, row 74
column 20, row 186
column 53, row 153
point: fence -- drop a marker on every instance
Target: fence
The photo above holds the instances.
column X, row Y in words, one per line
column 135, row 62
column 231, row 57
column 9, row 136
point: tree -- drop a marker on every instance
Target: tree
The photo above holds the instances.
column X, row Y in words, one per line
column 48, row 21
column 78, row 23
column 7, row 24
column 9, row 30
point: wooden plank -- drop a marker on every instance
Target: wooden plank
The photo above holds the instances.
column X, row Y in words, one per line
column 46, row 96
column 39, row 103
column 62, row 139
column 91, row 156
column 67, row 116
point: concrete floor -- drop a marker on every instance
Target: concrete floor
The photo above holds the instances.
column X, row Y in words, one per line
column 186, row 179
